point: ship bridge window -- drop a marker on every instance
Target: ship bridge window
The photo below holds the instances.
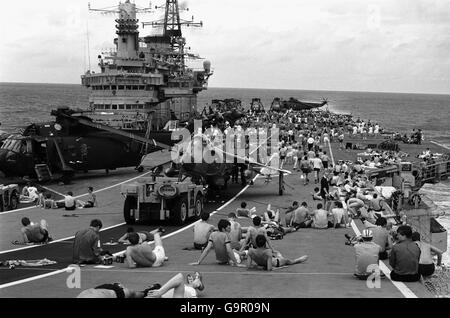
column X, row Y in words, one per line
column 121, row 87
column 106, row 87
column 121, row 106
column 114, row 106
column 129, row 106
column 128, row 87
column 135, row 87
column 135, row 106
column 114, row 87
column 141, row 106
column 107, row 106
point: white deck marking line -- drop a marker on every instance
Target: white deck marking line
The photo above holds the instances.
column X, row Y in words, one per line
column 400, row 286
column 119, row 253
column 49, row 189
column 331, row 152
column 138, row 271
column 436, row 143
column 26, row 280
column 55, row 241
column 251, row 272
column 78, row 196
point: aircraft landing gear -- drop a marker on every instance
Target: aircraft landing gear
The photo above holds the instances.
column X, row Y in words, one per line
column 280, row 184
column 67, row 177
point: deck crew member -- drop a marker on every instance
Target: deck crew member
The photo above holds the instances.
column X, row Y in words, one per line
column 86, row 245
column 202, row 231
column 142, row 254
column 404, row 258
column 34, row 233
column 220, row 241
column 268, row 259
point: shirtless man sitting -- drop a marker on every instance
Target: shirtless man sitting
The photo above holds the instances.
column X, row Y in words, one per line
column 202, row 229
column 267, row 258
column 142, row 254
column 253, row 232
column 34, row 233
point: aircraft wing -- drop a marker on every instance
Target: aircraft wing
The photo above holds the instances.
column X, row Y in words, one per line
column 156, row 159
column 246, row 159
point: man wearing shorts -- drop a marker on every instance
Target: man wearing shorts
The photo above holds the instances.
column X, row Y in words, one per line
column 221, row 243
column 143, row 255
column 317, row 165
column 115, row 290
column 176, row 287
column 267, row 258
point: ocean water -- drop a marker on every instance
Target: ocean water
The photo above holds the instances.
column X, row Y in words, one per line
column 21, row 104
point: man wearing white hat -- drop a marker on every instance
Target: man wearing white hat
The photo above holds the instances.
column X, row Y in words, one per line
column 367, row 255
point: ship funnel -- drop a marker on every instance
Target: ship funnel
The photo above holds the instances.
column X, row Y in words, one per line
column 207, row 66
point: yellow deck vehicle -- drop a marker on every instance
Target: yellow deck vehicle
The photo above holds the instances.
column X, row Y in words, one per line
column 148, row 199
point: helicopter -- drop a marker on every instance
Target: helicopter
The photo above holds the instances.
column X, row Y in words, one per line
column 72, row 144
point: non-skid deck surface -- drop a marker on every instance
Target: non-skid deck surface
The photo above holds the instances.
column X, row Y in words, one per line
column 327, row 273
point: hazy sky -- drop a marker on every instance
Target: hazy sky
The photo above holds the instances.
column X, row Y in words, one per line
column 374, row 45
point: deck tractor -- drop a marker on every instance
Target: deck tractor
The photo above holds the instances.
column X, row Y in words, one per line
column 148, row 199
column 9, row 197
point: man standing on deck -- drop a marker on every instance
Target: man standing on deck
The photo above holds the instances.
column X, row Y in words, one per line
column 318, row 166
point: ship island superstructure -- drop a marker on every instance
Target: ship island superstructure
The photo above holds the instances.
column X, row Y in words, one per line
column 145, row 82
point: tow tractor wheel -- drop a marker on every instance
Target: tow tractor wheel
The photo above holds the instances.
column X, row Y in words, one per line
column 129, row 210
column 198, row 206
column 180, row 211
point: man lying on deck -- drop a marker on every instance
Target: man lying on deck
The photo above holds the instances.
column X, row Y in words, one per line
column 142, row 254
column 144, row 236
column 176, row 287
column 268, row 259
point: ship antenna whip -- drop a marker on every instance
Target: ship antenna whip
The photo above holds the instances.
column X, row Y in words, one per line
column 87, row 36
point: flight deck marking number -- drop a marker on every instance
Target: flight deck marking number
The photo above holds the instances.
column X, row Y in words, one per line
column 74, row 279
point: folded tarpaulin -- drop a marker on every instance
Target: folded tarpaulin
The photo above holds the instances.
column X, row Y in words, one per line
column 29, row 263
